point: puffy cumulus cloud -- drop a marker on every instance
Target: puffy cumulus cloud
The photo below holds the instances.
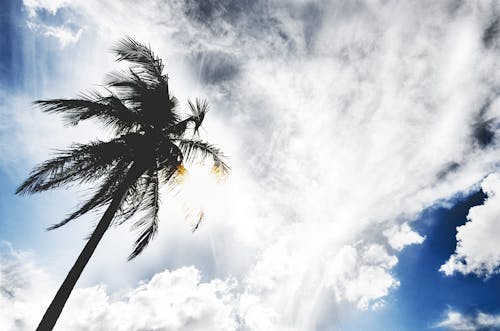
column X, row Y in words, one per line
column 358, row 276
column 477, row 240
column 481, row 321
column 362, row 277
column 343, row 121
column 170, row 300
column 401, row 236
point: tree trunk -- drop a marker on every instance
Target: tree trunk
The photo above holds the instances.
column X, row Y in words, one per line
column 54, row 310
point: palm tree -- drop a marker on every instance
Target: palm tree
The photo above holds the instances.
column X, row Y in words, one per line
column 152, row 142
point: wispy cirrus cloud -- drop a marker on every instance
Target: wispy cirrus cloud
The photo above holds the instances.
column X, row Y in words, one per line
column 50, row 5
column 65, row 31
column 64, row 35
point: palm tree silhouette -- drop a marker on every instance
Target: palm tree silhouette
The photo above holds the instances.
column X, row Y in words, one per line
column 152, row 142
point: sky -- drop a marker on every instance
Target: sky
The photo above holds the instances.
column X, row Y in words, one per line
column 363, row 142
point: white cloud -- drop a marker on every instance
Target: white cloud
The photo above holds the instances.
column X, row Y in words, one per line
column 477, row 240
column 170, row 300
column 64, row 35
column 23, row 289
column 364, row 279
column 400, row 236
column 339, row 131
column 50, row 5
column 456, row 321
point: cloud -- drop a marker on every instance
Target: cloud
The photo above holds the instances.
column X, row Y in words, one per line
column 481, row 321
column 23, row 289
column 52, row 25
column 173, row 300
column 362, row 278
column 477, row 240
column 50, row 5
column 170, row 300
column 343, row 121
column 64, row 35
column 401, row 236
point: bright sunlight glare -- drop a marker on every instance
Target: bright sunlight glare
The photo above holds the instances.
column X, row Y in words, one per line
column 199, row 189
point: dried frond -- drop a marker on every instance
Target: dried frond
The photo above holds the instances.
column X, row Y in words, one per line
column 196, row 149
column 220, row 172
column 200, row 218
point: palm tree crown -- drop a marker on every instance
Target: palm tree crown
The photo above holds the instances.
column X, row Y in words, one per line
column 152, row 142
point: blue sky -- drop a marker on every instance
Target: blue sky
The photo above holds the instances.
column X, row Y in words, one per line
column 425, row 293
column 355, row 157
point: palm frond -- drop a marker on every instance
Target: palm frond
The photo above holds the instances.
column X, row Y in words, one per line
column 172, row 176
column 109, row 109
column 149, row 222
column 194, row 149
column 178, row 129
column 199, row 110
column 102, row 196
column 134, row 197
column 148, row 99
column 129, row 49
column 200, row 218
column 82, row 162
column 129, row 81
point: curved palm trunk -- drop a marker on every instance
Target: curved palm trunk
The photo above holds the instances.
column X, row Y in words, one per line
column 56, row 306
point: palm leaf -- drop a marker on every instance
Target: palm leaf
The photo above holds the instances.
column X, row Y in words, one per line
column 149, row 222
column 147, row 98
column 199, row 110
column 102, row 196
column 135, row 197
column 151, row 66
column 82, row 162
column 194, row 149
column 109, row 109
